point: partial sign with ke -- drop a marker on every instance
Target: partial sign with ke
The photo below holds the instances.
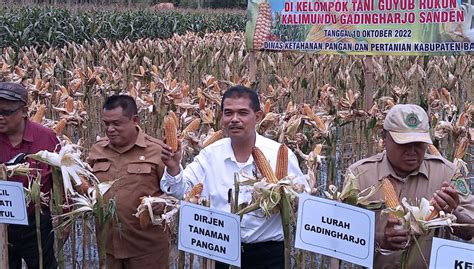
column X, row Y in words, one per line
column 448, row 254
column 210, row 233
column 12, row 203
column 336, row 229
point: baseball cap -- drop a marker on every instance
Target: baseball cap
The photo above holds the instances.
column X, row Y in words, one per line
column 14, row 92
column 408, row 123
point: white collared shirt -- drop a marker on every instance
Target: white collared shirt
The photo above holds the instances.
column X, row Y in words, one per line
column 215, row 167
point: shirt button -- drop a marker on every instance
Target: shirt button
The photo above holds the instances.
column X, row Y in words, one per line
column 138, row 170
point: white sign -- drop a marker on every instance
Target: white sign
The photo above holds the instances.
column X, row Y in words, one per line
column 448, row 254
column 336, row 229
column 12, row 203
column 210, row 233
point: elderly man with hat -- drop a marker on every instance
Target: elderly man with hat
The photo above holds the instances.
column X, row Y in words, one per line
column 414, row 174
column 18, row 135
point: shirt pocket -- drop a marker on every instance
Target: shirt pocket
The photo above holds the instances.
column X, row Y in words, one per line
column 102, row 171
column 139, row 168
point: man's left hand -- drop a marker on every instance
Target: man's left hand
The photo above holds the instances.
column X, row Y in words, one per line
column 446, row 199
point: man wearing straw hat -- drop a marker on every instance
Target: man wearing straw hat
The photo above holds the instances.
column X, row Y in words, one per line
column 414, row 174
column 18, row 135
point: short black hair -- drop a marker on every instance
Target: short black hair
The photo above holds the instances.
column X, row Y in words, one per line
column 126, row 102
column 240, row 91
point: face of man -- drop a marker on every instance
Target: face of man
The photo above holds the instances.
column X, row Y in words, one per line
column 239, row 119
column 404, row 158
column 12, row 116
column 120, row 129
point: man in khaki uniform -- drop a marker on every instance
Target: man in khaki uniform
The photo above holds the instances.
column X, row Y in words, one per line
column 414, row 174
column 133, row 158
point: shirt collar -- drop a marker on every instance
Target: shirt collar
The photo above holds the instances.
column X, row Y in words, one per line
column 28, row 134
column 388, row 170
column 228, row 152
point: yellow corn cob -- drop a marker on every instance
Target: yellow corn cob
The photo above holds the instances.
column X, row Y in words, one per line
column 263, row 165
column 185, row 90
column 69, row 104
column 195, row 192
column 289, row 107
column 59, row 127
column 461, row 148
column 434, row 213
column 171, row 133
column 38, row 117
column 433, row 150
column 281, row 169
column 175, row 118
column 319, row 123
column 391, row 197
column 216, row 136
column 317, row 149
column 263, row 25
column 266, row 107
column 84, row 185
column 202, row 102
column 308, row 111
column 80, row 106
column 193, row 126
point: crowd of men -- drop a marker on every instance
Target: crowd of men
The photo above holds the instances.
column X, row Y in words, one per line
column 146, row 166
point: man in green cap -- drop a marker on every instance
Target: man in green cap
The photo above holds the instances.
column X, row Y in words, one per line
column 414, row 174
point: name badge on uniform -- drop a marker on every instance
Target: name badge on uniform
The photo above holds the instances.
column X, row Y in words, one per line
column 141, row 158
column 461, row 186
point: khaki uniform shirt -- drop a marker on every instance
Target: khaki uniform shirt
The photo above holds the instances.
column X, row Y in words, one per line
column 138, row 170
column 422, row 183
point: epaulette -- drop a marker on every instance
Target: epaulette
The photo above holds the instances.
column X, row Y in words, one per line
column 439, row 158
column 154, row 140
column 371, row 159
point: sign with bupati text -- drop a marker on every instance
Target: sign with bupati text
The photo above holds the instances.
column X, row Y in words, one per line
column 12, row 203
column 364, row 27
column 336, row 229
column 210, row 233
column 448, row 254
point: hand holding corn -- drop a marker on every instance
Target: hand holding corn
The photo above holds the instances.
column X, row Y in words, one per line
column 446, row 199
column 171, row 159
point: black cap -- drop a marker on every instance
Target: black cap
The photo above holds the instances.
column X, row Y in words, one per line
column 14, row 92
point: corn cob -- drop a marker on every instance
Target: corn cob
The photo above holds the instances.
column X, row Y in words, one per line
column 171, row 133
column 289, row 107
column 216, row 136
column 195, row 193
column 38, row 117
column 145, row 220
column 263, row 25
column 84, row 186
column 263, row 165
column 175, row 118
column 319, row 123
column 317, row 149
column 59, row 127
column 461, row 148
column 266, row 107
column 433, row 150
column 391, row 197
column 69, row 104
column 202, row 102
column 281, row 169
column 193, row 126
column 308, row 111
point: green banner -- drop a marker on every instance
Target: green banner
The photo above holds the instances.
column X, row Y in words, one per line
column 364, row 27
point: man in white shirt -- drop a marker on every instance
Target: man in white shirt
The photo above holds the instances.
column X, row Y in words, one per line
column 215, row 167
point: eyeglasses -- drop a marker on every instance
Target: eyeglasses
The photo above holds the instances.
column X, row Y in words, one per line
column 8, row 112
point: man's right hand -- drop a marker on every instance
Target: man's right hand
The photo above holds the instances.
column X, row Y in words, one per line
column 395, row 237
column 171, row 159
